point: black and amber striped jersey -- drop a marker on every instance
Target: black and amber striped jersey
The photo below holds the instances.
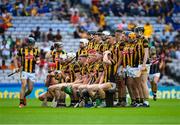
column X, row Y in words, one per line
column 81, row 51
column 90, row 45
column 140, row 45
column 124, row 48
column 71, row 72
column 85, row 70
column 28, row 59
column 96, row 46
column 101, row 48
column 110, row 71
column 132, row 55
column 118, row 56
column 113, row 68
column 106, row 46
column 77, row 68
column 101, row 67
column 92, row 67
column 56, row 57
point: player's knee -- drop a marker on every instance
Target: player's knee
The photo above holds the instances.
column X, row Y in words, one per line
column 50, row 89
column 41, row 98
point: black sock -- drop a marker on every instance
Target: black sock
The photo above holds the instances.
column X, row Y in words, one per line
column 133, row 101
column 27, row 93
column 21, row 101
column 124, row 99
column 120, row 100
column 141, row 100
column 137, row 100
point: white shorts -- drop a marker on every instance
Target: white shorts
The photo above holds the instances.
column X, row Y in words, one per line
column 27, row 75
column 121, row 71
column 151, row 76
column 147, row 67
column 133, row 72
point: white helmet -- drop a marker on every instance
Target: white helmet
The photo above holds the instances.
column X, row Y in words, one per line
column 71, row 55
column 64, row 56
column 107, row 33
column 84, row 41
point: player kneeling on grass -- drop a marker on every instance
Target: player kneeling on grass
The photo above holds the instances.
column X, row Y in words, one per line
column 50, row 80
column 57, row 92
column 69, row 88
column 98, row 85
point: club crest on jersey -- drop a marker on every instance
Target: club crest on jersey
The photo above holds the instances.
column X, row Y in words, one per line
column 29, row 56
column 56, row 59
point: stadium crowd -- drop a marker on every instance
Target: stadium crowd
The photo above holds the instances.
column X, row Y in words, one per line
column 166, row 43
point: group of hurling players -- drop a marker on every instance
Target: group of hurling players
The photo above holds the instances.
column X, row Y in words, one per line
column 102, row 60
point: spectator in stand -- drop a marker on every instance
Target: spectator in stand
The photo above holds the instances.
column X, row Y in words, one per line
column 105, row 8
column 50, row 36
column 73, row 2
column 177, row 37
column 95, row 11
column 91, row 25
column 131, row 25
column 12, row 66
column 73, row 9
column 102, row 22
column 37, row 34
column 17, row 8
column 34, row 11
column 117, row 8
column 123, row 25
column 77, row 33
column 171, row 36
column 7, row 18
column 61, row 12
column 32, row 34
column 163, row 36
column 148, row 30
column 3, row 66
column 11, row 44
column 24, row 12
column 75, row 18
column 178, row 53
column 43, row 37
column 168, row 27
column 83, row 19
column 64, row 10
column 5, row 50
column 172, row 51
column 58, row 36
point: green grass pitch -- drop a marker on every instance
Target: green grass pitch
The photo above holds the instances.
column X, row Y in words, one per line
column 160, row 112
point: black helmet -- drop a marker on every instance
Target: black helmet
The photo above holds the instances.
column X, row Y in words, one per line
column 139, row 29
column 91, row 32
column 57, row 45
column 31, row 41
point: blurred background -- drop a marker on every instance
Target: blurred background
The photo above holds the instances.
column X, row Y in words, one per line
column 67, row 21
